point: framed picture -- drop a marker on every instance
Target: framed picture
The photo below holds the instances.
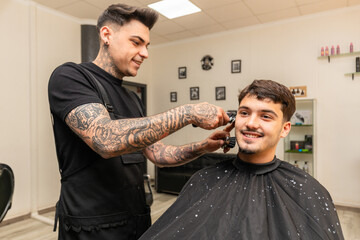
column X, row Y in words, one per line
column 173, row 96
column 182, row 72
column 236, row 66
column 220, row 93
column 194, row 93
column 298, row 91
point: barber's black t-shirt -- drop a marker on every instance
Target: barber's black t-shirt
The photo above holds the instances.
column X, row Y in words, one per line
column 70, row 88
column 102, row 194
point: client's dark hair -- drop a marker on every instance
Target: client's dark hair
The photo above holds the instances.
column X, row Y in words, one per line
column 268, row 89
column 122, row 14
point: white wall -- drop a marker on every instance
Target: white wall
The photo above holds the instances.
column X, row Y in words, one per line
column 286, row 52
column 34, row 41
column 58, row 40
column 14, row 98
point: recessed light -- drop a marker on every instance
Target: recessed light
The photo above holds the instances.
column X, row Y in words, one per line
column 174, row 8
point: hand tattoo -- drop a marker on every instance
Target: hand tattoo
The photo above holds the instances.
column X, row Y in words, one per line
column 203, row 113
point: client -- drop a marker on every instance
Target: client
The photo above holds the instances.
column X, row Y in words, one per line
column 256, row 195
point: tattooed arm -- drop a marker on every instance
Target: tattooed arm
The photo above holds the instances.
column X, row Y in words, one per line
column 110, row 138
column 166, row 155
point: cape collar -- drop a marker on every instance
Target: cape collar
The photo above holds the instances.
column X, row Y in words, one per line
column 258, row 169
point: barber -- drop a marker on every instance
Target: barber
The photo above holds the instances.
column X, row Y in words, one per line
column 100, row 158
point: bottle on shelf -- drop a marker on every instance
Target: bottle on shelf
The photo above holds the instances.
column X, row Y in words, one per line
column 306, row 167
column 308, row 142
column 332, row 50
column 322, row 51
column 296, row 164
column 338, row 49
column 326, row 51
column 351, row 47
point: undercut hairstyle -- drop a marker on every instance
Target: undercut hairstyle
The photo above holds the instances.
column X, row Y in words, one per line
column 276, row 92
column 121, row 14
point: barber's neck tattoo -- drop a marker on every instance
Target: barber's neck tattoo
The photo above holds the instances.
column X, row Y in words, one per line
column 105, row 61
column 92, row 123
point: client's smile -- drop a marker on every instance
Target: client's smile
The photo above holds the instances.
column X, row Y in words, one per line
column 251, row 134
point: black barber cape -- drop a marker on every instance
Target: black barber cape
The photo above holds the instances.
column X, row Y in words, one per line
column 239, row 200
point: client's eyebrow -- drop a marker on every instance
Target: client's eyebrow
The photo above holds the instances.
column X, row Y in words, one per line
column 269, row 111
column 262, row 110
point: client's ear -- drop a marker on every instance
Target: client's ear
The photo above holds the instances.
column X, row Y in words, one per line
column 285, row 129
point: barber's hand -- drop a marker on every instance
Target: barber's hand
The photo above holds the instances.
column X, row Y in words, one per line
column 228, row 129
column 208, row 116
column 215, row 141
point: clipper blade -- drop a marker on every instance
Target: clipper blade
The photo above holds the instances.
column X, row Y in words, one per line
column 229, row 142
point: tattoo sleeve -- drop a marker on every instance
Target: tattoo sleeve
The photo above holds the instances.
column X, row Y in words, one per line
column 109, row 138
column 165, row 155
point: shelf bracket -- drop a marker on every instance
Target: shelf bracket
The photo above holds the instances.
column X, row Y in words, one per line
column 352, row 75
column 329, row 58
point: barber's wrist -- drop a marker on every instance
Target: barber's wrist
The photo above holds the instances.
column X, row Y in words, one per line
column 188, row 113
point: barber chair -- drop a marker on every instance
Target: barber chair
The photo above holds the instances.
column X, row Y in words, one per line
column 6, row 189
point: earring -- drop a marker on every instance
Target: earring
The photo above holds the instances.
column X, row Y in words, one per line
column 107, row 43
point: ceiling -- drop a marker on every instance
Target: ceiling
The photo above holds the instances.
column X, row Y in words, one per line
column 216, row 15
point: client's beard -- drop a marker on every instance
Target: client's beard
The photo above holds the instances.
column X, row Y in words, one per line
column 245, row 151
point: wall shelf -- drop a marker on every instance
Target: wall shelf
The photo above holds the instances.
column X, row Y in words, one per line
column 299, row 151
column 306, row 154
column 339, row 55
column 352, row 74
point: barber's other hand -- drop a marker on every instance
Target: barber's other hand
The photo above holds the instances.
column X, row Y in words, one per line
column 215, row 141
column 228, row 129
column 208, row 116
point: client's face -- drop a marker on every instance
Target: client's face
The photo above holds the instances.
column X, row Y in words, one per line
column 259, row 127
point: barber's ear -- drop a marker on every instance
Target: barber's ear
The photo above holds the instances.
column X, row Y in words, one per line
column 105, row 34
column 285, row 129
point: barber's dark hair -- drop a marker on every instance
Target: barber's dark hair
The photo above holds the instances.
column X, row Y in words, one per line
column 122, row 14
column 268, row 89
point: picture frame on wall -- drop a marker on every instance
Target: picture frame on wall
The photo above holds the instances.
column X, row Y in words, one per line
column 173, row 96
column 182, row 72
column 236, row 66
column 220, row 93
column 194, row 93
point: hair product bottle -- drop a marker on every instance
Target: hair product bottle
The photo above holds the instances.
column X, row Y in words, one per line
column 306, row 167
column 296, row 164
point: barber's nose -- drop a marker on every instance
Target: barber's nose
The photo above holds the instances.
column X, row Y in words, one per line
column 144, row 53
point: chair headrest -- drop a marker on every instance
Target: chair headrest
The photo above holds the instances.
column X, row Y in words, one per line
column 6, row 189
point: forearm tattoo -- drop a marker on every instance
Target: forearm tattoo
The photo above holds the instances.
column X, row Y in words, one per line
column 92, row 123
column 165, row 155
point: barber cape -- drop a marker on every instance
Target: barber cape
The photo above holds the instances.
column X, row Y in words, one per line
column 239, row 200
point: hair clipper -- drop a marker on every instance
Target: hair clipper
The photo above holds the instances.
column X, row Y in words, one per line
column 229, row 142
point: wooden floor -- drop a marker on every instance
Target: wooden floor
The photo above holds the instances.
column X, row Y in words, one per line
column 31, row 229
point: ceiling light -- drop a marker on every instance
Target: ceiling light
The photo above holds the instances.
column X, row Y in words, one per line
column 174, row 8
